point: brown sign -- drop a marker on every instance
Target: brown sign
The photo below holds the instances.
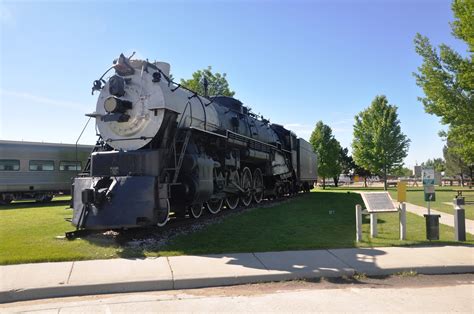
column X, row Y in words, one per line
column 378, row 202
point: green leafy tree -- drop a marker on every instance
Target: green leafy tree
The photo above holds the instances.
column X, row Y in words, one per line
column 438, row 164
column 362, row 172
column 402, row 172
column 379, row 144
column 216, row 83
column 328, row 149
column 346, row 164
column 455, row 165
column 346, row 161
column 350, row 168
column 447, row 80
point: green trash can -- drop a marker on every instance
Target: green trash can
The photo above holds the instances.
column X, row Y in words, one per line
column 432, row 227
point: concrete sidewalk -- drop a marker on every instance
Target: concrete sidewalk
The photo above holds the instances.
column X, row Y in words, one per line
column 445, row 219
column 47, row 280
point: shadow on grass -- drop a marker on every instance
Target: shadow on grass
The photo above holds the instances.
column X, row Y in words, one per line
column 318, row 220
column 132, row 253
column 311, row 221
column 366, row 220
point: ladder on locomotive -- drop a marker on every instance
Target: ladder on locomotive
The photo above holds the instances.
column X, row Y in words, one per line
column 180, row 142
column 87, row 168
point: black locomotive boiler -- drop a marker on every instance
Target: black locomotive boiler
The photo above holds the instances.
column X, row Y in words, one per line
column 165, row 149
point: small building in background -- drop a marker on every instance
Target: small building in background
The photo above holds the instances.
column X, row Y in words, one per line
column 438, row 178
column 417, row 171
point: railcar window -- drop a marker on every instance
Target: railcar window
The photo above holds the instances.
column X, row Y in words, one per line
column 70, row 166
column 41, row 165
column 9, row 165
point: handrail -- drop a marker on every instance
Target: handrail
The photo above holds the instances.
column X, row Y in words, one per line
column 80, row 135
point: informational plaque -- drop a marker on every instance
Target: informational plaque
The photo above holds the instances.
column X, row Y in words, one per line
column 378, row 202
column 428, row 176
column 430, row 195
column 428, row 184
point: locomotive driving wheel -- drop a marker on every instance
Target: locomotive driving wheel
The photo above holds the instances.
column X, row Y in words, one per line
column 233, row 180
column 246, row 198
column 164, row 214
column 258, row 185
column 195, row 210
column 214, row 205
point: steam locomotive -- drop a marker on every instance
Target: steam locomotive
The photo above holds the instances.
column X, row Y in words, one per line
column 165, row 150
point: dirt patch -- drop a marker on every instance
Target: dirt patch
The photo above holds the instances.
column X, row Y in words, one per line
column 394, row 281
column 380, row 282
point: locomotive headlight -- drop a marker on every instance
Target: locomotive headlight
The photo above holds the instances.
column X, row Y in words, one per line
column 110, row 104
column 116, row 105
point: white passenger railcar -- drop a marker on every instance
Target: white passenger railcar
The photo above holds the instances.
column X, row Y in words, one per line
column 30, row 170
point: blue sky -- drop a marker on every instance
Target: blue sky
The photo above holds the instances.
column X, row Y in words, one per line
column 295, row 62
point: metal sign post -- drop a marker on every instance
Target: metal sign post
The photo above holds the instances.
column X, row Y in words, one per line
column 428, row 185
column 459, row 219
column 358, row 223
column 402, row 198
column 403, row 221
column 432, row 221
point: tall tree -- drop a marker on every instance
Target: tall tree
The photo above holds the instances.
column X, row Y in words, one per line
column 438, row 164
column 346, row 164
column 362, row 172
column 346, row 161
column 455, row 166
column 328, row 149
column 379, row 144
column 402, row 172
column 447, row 79
column 216, row 83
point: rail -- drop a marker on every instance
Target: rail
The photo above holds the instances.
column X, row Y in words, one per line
column 79, row 137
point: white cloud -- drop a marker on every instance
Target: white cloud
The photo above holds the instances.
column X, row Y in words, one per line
column 43, row 100
column 305, row 130
column 302, row 130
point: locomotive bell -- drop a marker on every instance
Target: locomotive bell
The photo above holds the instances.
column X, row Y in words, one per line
column 117, row 86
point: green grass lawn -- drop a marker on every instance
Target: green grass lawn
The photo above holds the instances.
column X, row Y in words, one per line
column 304, row 223
column 28, row 231
column 443, row 203
column 444, row 195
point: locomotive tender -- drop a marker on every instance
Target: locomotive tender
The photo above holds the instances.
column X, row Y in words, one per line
column 165, row 149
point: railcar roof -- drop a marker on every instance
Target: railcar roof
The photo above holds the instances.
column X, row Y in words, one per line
column 44, row 144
